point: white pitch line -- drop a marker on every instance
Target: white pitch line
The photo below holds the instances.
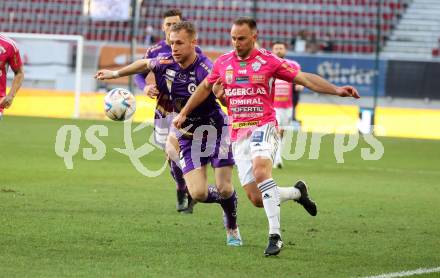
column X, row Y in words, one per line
column 406, row 273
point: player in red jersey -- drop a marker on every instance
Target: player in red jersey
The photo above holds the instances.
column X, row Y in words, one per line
column 9, row 57
column 247, row 76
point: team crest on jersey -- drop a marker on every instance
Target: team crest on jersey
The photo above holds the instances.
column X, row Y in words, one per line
column 256, row 66
column 192, row 88
column 229, row 74
column 182, row 76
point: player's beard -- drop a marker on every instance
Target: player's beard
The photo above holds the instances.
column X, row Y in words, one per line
column 243, row 53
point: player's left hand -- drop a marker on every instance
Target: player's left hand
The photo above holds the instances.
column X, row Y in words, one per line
column 179, row 120
column 104, row 74
column 6, row 101
column 348, row 91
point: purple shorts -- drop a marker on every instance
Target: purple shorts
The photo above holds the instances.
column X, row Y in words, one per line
column 207, row 146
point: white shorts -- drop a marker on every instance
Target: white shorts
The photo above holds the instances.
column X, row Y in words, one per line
column 263, row 142
column 284, row 116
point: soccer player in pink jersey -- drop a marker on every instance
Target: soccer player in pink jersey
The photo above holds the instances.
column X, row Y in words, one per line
column 247, row 75
column 283, row 101
column 9, row 57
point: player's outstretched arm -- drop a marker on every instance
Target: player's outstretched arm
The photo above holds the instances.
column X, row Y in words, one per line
column 201, row 93
column 320, row 85
column 6, row 101
column 138, row 66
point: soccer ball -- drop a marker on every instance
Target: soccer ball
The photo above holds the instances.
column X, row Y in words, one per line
column 120, row 104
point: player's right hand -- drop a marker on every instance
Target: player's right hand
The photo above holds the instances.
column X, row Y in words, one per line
column 219, row 91
column 348, row 91
column 179, row 120
column 151, row 91
column 104, row 74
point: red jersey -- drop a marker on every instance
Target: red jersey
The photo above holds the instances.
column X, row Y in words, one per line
column 9, row 57
column 248, row 87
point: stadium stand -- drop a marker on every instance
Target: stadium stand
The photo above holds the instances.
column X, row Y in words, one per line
column 351, row 24
column 417, row 33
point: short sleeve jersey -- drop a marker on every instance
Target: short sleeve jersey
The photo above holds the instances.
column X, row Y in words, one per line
column 9, row 57
column 248, row 85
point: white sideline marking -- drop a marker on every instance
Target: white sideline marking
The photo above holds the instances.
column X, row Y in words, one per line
column 406, row 273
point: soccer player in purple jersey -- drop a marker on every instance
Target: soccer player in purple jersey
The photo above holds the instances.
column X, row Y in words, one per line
column 164, row 109
column 204, row 139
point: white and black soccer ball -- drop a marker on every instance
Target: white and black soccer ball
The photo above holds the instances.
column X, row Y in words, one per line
column 120, row 104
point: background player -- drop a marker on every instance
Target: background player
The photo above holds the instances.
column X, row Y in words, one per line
column 285, row 101
column 246, row 74
column 9, row 57
column 183, row 71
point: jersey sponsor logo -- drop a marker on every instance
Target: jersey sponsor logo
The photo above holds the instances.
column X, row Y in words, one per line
column 242, row 71
column 261, row 60
column 281, row 98
column 165, row 61
column 170, row 72
column 229, row 74
column 258, row 78
column 244, row 92
column 246, row 109
column 243, row 64
column 192, row 88
column 249, row 101
column 256, row 66
column 205, row 67
column 244, row 124
column 248, row 115
column 257, row 136
column 242, row 79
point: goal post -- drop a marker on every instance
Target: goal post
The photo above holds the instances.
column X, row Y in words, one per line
column 79, row 40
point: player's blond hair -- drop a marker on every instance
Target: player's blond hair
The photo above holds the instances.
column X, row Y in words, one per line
column 187, row 26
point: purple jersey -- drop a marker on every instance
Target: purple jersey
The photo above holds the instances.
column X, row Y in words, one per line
column 160, row 49
column 181, row 83
column 206, row 137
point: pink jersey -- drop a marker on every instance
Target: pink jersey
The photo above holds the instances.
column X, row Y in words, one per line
column 248, row 87
column 9, row 56
column 284, row 90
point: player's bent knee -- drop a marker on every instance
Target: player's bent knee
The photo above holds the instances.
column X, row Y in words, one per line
column 198, row 194
column 261, row 174
column 172, row 153
column 255, row 199
column 225, row 190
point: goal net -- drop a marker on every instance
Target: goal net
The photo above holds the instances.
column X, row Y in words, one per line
column 53, row 62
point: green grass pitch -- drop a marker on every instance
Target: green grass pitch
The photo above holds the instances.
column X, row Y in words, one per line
column 104, row 219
